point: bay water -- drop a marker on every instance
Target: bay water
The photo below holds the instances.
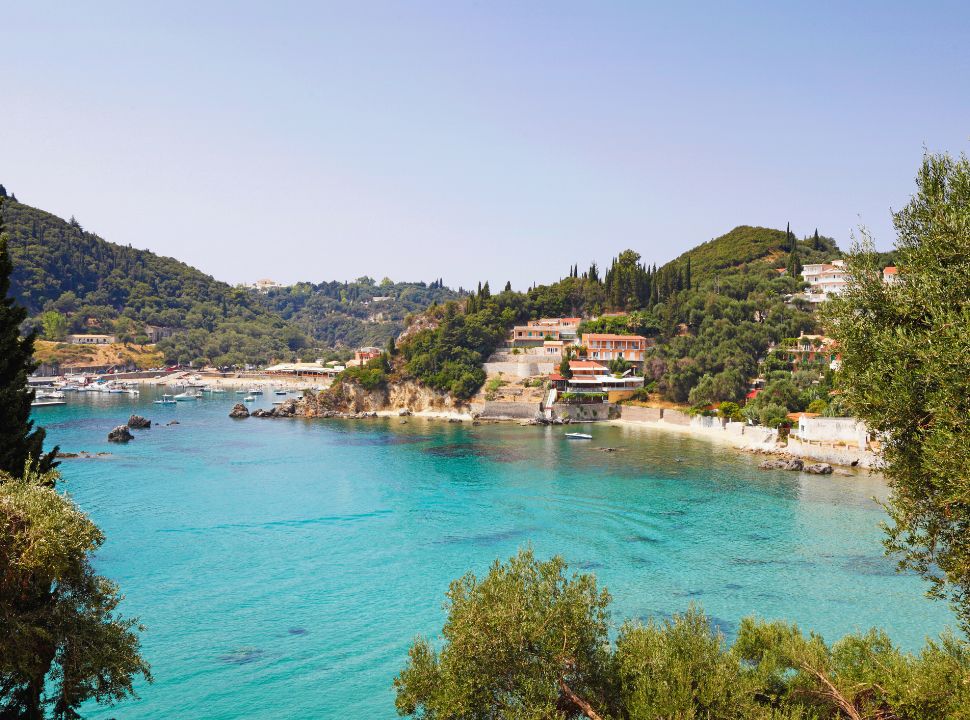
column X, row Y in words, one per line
column 282, row 567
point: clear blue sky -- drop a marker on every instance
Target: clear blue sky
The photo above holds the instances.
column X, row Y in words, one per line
column 485, row 140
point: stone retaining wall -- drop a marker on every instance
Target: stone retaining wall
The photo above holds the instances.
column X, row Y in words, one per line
column 640, row 414
column 508, row 410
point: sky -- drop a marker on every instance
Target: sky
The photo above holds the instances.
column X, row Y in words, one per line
column 472, row 141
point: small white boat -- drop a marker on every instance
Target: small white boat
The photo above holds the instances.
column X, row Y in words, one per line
column 214, row 391
column 255, row 391
column 165, row 400
column 49, row 395
column 242, row 392
column 187, row 396
column 281, row 392
column 578, row 436
column 249, row 398
column 47, row 403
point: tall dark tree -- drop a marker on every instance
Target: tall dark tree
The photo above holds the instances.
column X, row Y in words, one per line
column 19, row 439
column 594, row 273
column 508, row 286
column 816, row 242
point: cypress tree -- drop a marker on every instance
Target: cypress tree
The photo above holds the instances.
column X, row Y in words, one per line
column 816, row 242
column 19, row 440
column 485, row 293
column 508, row 286
column 688, row 273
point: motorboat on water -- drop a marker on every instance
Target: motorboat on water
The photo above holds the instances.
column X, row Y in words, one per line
column 49, row 395
column 579, row 436
column 249, row 398
column 255, row 391
column 47, row 403
column 166, row 400
column 188, row 396
column 280, row 392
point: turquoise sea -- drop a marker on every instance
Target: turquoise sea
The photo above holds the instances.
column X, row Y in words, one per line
column 282, row 567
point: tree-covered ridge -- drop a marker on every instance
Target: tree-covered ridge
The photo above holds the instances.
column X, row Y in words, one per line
column 355, row 314
column 99, row 286
column 746, row 244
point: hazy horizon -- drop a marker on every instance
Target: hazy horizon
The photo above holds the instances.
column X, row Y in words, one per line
column 500, row 142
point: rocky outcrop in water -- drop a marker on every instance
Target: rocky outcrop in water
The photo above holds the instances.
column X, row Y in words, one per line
column 286, row 409
column 120, row 434
column 137, row 422
column 797, row 465
column 819, row 469
column 239, row 411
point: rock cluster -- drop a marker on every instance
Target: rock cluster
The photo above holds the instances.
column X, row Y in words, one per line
column 137, row 422
column 797, row 465
column 287, row 409
column 120, row 434
column 239, row 411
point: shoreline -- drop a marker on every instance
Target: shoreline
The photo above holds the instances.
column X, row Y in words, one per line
column 747, row 443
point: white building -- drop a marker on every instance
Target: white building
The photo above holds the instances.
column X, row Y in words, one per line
column 825, row 280
column 265, row 285
column 91, row 339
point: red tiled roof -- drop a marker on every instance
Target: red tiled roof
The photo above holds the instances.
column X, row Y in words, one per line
column 611, row 336
column 586, row 365
column 891, row 270
column 555, row 377
column 753, row 394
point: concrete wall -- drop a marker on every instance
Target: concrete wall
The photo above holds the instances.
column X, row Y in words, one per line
column 515, row 410
column 578, row 413
column 676, row 417
column 832, row 454
column 832, row 430
column 640, row 414
column 520, row 369
column 710, row 423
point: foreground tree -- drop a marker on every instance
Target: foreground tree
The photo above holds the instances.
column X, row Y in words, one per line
column 528, row 641
column 62, row 641
column 19, row 440
column 905, row 351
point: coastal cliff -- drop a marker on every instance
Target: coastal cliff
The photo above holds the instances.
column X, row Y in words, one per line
column 343, row 398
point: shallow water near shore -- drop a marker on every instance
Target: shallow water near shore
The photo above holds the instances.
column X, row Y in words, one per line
column 283, row 567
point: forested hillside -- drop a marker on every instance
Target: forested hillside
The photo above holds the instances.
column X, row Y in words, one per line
column 350, row 315
column 90, row 285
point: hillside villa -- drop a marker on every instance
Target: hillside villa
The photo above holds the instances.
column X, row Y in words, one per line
column 809, row 349
column 534, row 332
column 608, row 346
column 595, row 380
column 91, row 339
column 831, row 279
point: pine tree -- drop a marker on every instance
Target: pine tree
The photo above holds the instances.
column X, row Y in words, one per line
column 594, row 273
column 3, row 191
column 391, row 347
column 794, row 266
column 508, row 286
column 485, row 293
column 19, row 440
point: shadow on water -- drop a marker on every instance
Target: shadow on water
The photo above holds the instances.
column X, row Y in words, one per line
column 489, row 538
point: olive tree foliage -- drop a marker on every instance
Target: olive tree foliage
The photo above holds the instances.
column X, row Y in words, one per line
column 905, row 351
column 530, row 641
column 525, row 641
column 62, row 641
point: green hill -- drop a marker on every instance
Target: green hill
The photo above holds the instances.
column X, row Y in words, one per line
column 80, row 283
column 746, row 244
column 87, row 284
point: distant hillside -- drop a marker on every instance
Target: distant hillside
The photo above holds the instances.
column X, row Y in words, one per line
column 87, row 284
column 90, row 285
column 745, row 244
column 353, row 314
